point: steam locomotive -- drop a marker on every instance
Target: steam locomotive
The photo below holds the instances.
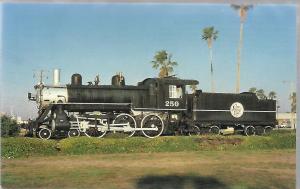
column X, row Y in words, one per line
column 153, row 107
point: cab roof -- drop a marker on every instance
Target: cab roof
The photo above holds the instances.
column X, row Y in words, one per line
column 170, row 80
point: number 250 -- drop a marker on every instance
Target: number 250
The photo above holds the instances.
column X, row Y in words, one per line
column 172, row 103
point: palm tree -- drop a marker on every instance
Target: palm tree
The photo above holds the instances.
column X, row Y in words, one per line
column 162, row 61
column 293, row 109
column 272, row 95
column 242, row 10
column 209, row 35
column 293, row 102
column 252, row 90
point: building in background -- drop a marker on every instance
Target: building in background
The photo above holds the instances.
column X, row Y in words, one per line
column 287, row 120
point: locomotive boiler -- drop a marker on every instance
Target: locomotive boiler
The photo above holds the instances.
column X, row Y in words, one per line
column 153, row 107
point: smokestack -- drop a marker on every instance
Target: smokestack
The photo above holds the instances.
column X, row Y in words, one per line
column 56, row 77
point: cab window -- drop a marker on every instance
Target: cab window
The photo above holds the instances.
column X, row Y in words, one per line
column 175, row 91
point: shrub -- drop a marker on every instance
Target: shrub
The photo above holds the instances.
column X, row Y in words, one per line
column 9, row 126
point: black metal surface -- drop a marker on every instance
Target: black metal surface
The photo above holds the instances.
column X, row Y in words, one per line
column 106, row 94
column 118, row 80
column 61, row 119
column 76, row 79
column 87, row 107
column 215, row 108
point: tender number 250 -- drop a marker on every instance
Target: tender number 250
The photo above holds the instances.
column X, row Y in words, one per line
column 172, row 103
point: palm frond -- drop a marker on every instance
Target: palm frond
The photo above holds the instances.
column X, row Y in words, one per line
column 235, row 7
column 173, row 63
column 241, row 6
column 155, row 64
column 209, row 34
column 247, row 7
column 163, row 62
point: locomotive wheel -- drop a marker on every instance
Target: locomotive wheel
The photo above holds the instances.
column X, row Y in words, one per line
column 123, row 119
column 268, row 130
column 249, row 130
column 152, row 121
column 73, row 133
column 194, row 131
column 45, row 133
column 93, row 132
column 214, row 130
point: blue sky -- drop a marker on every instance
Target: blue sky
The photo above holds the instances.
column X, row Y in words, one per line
column 107, row 38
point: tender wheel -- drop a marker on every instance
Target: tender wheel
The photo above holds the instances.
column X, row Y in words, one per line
column 94, row 132
column 214, row 130
column 73, row 133
column 268, row 130
column 45, row 133
column 249, row 130
column 194, row 131
column 124, row 119
column 152, row 121
column 259, row 130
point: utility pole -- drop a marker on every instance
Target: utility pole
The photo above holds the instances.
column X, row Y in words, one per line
column 239, row 54
column 292, row 120
column 40, row 75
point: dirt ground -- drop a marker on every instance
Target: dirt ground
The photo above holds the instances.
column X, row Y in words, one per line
column 178, row 170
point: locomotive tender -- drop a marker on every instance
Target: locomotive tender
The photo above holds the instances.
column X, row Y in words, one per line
column 154, row 106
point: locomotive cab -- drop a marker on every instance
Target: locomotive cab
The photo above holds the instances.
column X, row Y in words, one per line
column 173, row 94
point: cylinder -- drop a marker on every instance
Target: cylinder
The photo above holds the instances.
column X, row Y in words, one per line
column 76, row 79
column 56, row 77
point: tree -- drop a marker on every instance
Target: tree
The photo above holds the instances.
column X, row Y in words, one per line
column 252, row 90
column 261, row 94
column 162, row 61
column 293, row 102
column 9, row 126
column 242, row 10
column 209, row 35
column 272, row 95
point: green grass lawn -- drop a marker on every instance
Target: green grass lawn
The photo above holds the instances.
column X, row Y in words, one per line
column 233, row 162
column 20, row 147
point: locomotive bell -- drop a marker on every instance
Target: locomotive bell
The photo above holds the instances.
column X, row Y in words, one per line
column 76, row 79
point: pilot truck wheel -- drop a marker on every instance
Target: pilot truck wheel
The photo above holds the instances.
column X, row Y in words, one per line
column 73, row 133
column 45, row 133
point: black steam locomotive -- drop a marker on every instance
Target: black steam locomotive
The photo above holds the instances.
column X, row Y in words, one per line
column 155, row 106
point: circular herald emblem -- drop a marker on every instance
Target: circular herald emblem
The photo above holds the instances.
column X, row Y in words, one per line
column 236, row 109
